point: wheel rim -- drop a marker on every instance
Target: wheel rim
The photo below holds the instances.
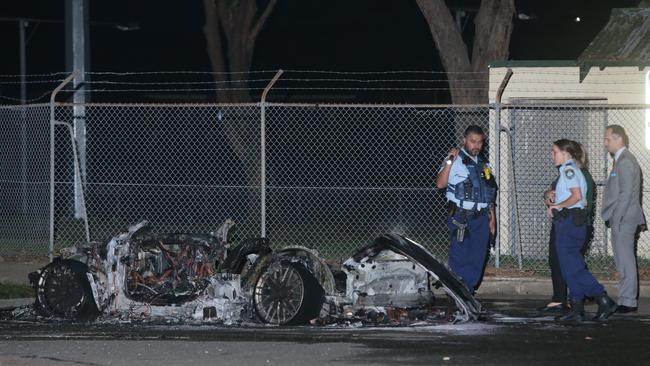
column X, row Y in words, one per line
column 62, row 291
column 279, row 294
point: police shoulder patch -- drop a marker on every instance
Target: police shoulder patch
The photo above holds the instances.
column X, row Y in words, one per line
column 570, row 173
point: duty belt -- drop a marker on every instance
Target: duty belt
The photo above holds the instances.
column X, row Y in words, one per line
column 453, row 209
column 461, row 223
column 579, row 215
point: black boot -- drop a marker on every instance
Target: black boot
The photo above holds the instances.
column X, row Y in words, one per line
column 606, row 307
column 577, row 313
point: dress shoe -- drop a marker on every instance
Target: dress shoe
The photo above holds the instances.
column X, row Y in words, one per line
column 622, row 309
column 606, row 307
column 577, row 313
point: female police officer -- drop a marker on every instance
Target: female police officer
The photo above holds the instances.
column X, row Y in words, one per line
column 569, row 220
column 559, row 300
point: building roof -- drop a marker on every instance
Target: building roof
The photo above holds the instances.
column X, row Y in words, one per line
column 624, row 41
column 533, row 63
column 626, row 37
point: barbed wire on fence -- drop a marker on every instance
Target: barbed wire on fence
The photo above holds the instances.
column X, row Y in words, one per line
column 375, row 86
column 530, row 71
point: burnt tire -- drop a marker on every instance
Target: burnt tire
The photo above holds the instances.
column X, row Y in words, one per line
column 63, row 291
column 287, row 294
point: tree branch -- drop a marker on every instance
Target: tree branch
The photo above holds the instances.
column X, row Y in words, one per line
column 446, row 35
column 493, row 25
column 262, row 19
column 225, row 12
column 214, row 46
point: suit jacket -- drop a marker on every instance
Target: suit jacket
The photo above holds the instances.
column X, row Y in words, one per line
column 622, row 196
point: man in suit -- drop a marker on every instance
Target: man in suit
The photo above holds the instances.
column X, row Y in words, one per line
column 623, row 213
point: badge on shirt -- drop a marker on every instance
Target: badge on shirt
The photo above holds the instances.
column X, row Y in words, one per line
column 570, row 173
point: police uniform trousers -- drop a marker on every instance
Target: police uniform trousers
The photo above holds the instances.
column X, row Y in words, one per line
column 569, row 240
column 559, row 286
column 467, row 259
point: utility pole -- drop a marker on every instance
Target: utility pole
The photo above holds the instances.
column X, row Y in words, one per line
column 77, row 55
column 22, row 24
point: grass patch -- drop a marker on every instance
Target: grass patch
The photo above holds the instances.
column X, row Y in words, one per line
column 15, row 291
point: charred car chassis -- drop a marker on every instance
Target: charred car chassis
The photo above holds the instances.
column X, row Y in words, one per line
column 140, row 274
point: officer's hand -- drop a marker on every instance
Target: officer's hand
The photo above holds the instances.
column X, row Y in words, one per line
column 549, row 210
column 453, row 153
column 549, row 197
column 492, row 224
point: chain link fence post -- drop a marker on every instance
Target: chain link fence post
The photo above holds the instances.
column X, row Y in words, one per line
column 263, row 153
column 497, row 159
column 497, row 174
column 52, row 124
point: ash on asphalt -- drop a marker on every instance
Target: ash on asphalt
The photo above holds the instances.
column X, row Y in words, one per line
column 513, row 333
column 502, row 315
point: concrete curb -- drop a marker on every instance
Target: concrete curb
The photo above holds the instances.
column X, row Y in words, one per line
column 8, row 304
column 541, row 287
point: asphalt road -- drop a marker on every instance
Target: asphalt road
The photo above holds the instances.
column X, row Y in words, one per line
column 514, row 334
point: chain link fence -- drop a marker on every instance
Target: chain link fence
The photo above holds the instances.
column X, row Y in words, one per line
column 336, row 176
column 184, row 169
column 24, row 179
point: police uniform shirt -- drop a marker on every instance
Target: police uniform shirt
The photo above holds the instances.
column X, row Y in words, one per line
column 457, row 174
column 570, row 177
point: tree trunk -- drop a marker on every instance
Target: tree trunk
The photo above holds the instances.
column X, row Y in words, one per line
column 231, row 30
column 212, row 30
column 493, row 25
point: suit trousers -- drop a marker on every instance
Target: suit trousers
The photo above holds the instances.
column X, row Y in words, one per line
column 623, row 243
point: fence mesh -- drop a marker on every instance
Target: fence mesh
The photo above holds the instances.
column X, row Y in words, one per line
column 340, row 176
column 184, row 169
column 336, row 175
column 24, row 179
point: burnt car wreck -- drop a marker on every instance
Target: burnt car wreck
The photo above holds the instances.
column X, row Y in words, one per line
column 142, row 275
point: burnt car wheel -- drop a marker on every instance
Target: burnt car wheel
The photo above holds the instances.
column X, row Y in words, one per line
column 287, row 294
column 64, row 291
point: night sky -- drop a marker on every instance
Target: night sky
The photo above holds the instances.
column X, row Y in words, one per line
column 343, row 35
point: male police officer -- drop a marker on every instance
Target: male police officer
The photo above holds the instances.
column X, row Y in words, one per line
column 471, row 192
